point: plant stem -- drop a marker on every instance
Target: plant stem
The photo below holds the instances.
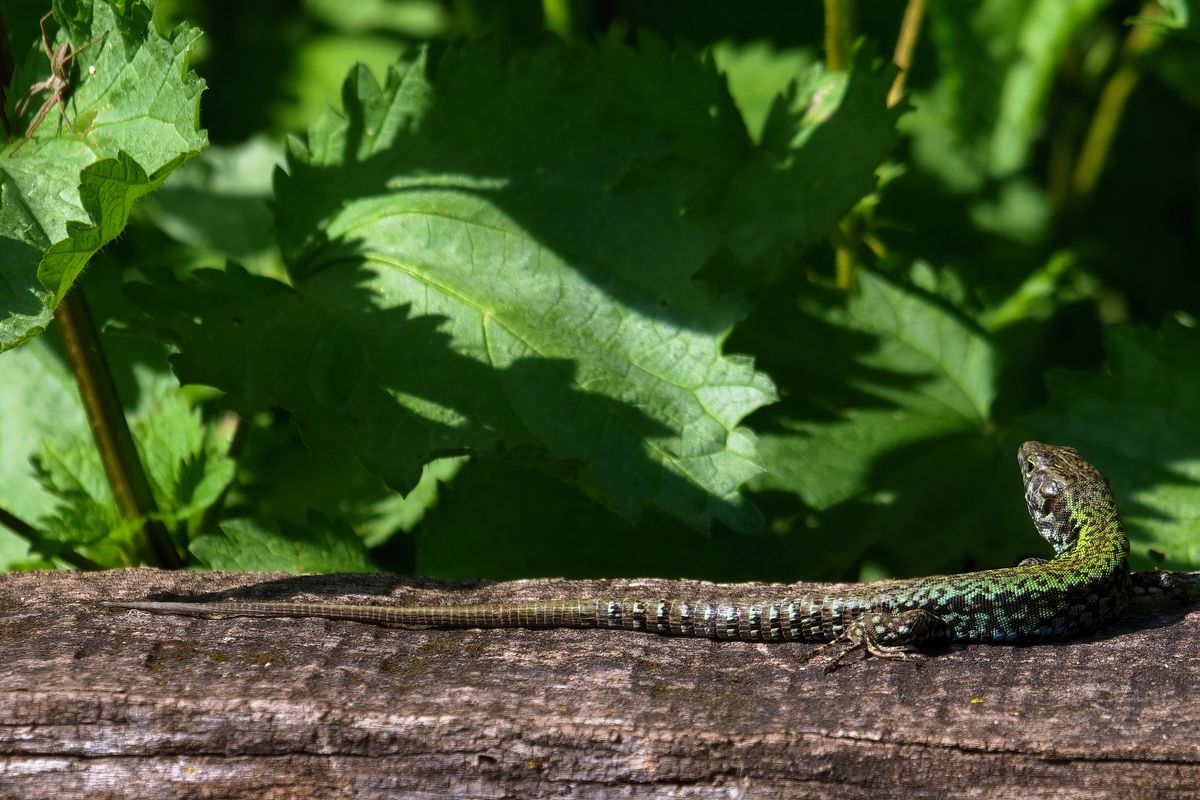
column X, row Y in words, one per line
column 6, row 71
column 29, row 533
column 843, row 261
column 839, row 34
column 1113, row 98
column 17, row 525
column 560, row 18
column 906, row 43
column 839, row 38
column 102, row 405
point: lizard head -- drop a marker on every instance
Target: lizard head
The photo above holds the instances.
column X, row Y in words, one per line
column 1058, row 483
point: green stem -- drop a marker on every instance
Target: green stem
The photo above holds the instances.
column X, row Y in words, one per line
column 559, row 17
column 839, row 34
column 102, row 405
column 29, row 533
column 906, row 42
column 845, row 274
column 17, row 525
column 839, row 39
column 1113, row 98
column 6, row 72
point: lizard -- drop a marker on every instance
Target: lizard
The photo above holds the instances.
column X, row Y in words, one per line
column 1083, row 587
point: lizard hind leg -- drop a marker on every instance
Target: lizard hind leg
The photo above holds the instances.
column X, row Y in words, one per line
column 895, row 636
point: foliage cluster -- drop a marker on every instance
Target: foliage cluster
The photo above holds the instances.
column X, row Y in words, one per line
column 581, row 288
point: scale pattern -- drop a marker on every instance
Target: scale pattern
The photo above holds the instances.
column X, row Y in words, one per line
column 1082, row 587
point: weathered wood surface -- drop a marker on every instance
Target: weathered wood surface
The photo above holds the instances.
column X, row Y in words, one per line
column 103, row 704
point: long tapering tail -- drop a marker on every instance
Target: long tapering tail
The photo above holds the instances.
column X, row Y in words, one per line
column 756, row 622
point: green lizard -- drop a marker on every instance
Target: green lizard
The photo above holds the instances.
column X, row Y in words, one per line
column 1085, row 585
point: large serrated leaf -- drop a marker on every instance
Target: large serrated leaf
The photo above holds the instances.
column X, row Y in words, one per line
column 1140, row 425
column 499, row 257
column 69, row 189
column 907, row 370
column 187, row 467
column 885, row 436
column 322, row 545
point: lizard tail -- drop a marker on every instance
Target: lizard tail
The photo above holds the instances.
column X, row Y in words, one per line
column 540, row 614
column 754, row 622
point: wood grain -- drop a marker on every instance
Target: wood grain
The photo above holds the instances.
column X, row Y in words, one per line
column 103, row 704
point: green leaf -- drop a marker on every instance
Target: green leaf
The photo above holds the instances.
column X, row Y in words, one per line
column 37, row 399
column 187, row 467
column 1140, row 425
column 885, row 437
column 1046, row 32
column 418, row 19
column 500, row 258
column 217, row 204
column 69, row 189
column 502, row 522
column 85, row 519
column 758, row 74
column 910, row 371
column 315, row 80
column 280, row 479
column 1178, row 17
column 396, row 513
column 323, row 545
column 998, row 63
column 822, row 143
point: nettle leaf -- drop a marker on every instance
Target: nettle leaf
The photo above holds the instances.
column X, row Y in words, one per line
column 280, row 479
column 187, row 467
column 322, row 545
column 912, row 370
column 1140, row 425
column 499, row 256
column 37, row 399
column 758, row 73
column 483, row 527
column 217, row 204
column 887, row 410
column 69, row 189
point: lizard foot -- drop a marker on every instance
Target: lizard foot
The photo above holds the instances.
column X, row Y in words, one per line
column 1168, row 586
column 886, row 635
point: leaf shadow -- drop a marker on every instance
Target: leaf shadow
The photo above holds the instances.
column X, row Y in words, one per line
column 19, row 295
column 391, row 388
column 818, row 365
column 627, row 211
column 333, row 585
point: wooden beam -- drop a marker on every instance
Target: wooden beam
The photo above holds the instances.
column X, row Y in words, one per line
column 97, row 703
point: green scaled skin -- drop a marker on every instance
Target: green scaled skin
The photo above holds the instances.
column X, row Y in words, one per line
column 1084, row 586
